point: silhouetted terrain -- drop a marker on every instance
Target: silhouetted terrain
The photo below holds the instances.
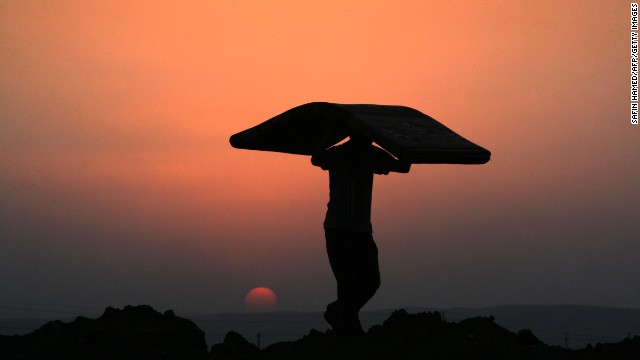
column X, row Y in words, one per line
column 132, row 333
column 143, row 333
column 570, row 326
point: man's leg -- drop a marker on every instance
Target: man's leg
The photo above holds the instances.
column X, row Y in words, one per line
column 342, row 250
column 367, row 270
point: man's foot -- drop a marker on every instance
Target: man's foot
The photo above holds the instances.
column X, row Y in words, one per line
column 344, row 328
column 332, row 316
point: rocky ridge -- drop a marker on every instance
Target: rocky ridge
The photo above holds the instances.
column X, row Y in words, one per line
column 139, row 332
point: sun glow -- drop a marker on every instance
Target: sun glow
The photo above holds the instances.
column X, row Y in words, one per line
column 261, row 299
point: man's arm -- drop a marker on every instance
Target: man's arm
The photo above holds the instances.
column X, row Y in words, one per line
column 385, row 163
column 319, row 158
column 400, row 166
column 394, row 165
column 321, row 155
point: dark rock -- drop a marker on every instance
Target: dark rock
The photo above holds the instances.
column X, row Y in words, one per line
column 429, row 336
column 526, row 338
column 234, row 347
column 132, row 333
column 405, row 336
column 627, row 349
column 142, row 333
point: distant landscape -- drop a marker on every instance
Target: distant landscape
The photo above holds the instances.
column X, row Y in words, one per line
column 564, row 325
column 141, row 332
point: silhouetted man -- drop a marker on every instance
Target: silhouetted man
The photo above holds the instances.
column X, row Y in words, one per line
column 353, row 254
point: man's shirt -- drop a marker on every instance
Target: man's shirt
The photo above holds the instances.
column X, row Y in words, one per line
column 351, row 170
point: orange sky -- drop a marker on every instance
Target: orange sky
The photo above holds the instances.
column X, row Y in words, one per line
column 115, row 119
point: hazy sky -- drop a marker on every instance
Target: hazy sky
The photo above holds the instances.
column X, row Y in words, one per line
column 118, row 184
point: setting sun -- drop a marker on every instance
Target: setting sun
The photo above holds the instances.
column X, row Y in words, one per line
column 261, row 299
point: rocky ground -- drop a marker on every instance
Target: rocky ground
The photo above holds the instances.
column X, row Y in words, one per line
column 142, row 333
